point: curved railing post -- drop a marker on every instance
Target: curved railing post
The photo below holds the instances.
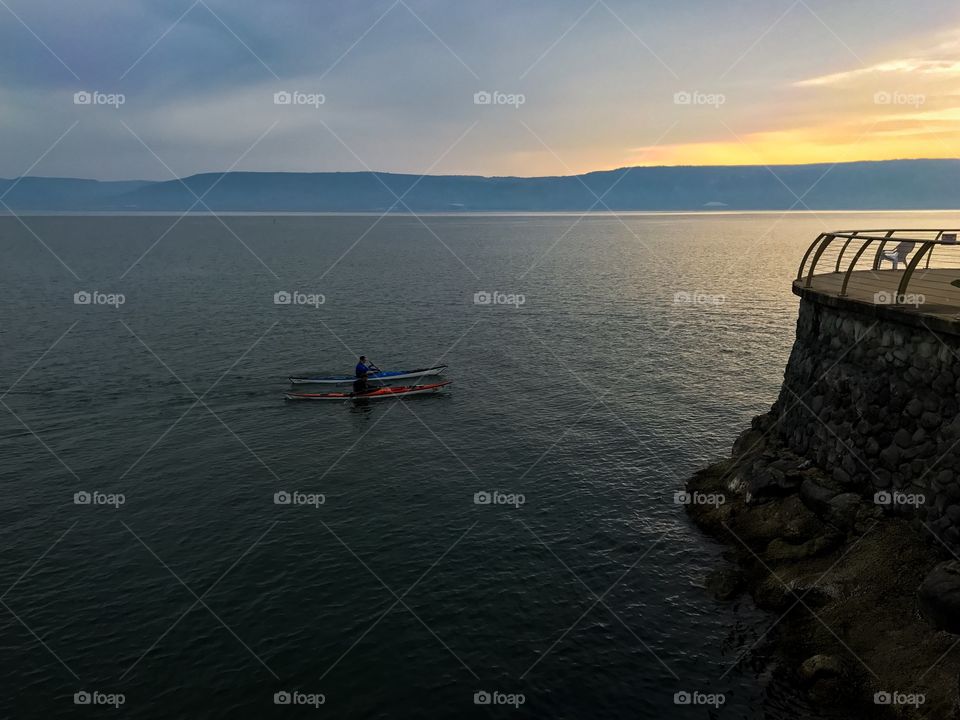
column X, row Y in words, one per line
column 930, row 254
column 908, row 273
column 844, row 249
column 879, row 256
column 827, row 239
column 807, row 254
column 853, row 264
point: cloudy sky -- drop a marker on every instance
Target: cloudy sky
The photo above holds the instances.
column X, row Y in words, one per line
column 120, row 89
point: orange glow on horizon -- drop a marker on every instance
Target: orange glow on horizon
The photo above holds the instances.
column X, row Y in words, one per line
column 934, row 134
column 852, row 137
column 803, row 147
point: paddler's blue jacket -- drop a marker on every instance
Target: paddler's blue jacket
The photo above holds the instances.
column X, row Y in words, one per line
column 363, row 369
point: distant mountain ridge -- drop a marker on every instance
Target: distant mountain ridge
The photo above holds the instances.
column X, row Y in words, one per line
column 881, row 185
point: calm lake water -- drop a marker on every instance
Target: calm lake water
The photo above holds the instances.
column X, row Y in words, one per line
column 641, row 348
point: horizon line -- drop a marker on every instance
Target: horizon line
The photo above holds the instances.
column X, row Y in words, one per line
column 483, row 177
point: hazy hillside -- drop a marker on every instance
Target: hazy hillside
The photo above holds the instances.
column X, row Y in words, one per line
column 898, row 184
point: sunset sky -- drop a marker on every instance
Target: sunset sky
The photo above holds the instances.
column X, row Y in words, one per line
column 585, row 85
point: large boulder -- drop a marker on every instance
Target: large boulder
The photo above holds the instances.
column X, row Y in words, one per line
column 939, row 596
column 769, row 481
column 817, row 492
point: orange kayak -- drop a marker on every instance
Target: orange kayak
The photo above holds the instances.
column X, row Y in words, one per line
column 375, row 394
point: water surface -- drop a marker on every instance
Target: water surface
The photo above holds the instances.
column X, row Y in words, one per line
column 644, row 344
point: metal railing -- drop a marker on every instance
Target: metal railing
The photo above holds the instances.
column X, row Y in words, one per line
column 840, row 243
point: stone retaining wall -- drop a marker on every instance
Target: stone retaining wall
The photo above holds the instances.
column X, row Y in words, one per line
column 874, row 403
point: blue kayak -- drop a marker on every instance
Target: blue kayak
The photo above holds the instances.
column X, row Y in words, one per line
column 383, row 376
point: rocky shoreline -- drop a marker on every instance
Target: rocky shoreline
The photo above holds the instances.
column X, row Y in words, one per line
column 861, row 592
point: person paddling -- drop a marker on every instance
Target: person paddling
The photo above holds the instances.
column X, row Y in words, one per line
column 362, row 370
